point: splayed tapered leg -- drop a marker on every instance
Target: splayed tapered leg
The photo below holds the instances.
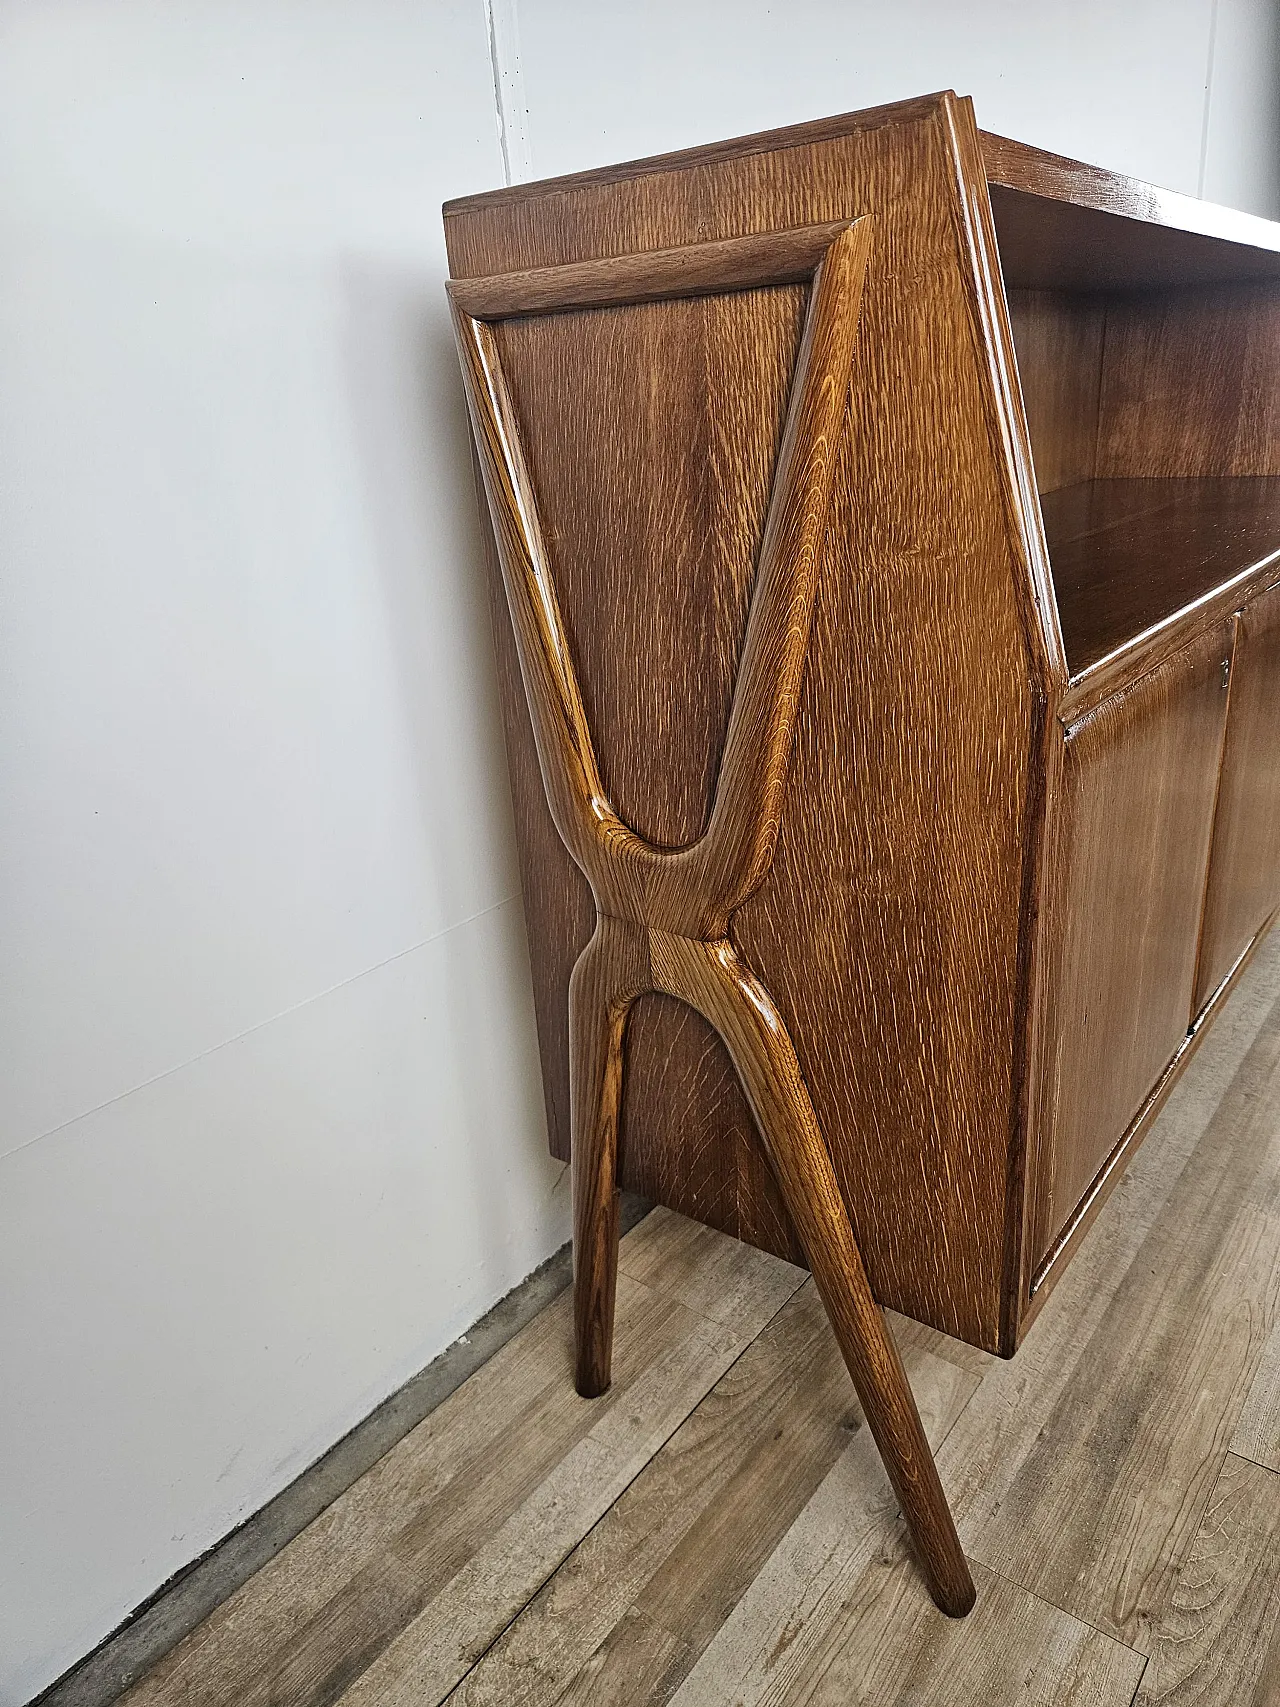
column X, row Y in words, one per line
column 710, row 977
column 598, row 1007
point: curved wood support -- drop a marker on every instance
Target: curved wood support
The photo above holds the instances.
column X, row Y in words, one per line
column 710, row 977
column 663, row 915
column 605, row 982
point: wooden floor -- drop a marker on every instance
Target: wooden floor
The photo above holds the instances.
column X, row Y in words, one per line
column 717, row 1531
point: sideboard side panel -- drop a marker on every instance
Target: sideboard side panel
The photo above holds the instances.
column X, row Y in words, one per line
column 651, row 433
column 888, row 930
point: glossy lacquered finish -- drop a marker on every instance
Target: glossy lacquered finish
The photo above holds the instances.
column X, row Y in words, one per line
column 867, row 741
column 1130, row 556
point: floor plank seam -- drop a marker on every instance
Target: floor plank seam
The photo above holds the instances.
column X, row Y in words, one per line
column 1063, row 1611
column 1142, row 1677
column 156, row 1626
column 634, row 1603
column 1079, row 1470
column 1244, row 1458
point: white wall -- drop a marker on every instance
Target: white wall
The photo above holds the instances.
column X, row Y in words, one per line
column 271, row 1103
column 1242, row 114
column 272, row 1130
column 1119, row 82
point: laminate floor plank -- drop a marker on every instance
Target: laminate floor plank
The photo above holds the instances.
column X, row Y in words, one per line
column 892, row 1648
column 1217, row 1641
column 1098, row 1510
column 313, row 1618
column 435, row 1650
column 983, row 1454
column 780, row 1617
column 1257, row 1431
column 717, row 1531
column 708, row 1272
column 786, row 1392
column 625, row 1617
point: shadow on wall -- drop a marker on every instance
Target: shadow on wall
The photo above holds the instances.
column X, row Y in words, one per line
column 408, row 412
column 411, row 434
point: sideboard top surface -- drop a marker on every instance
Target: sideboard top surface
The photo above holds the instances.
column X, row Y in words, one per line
column 1061, row 223
column 1065, row 225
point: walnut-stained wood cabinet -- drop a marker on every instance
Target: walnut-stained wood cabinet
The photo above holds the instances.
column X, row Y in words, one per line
column 1026, row 827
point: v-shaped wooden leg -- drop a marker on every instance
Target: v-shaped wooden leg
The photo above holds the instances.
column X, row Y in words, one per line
column 663, row 915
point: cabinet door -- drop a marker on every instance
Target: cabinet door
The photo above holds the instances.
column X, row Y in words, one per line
column 1140, row 775
column 1244, row 866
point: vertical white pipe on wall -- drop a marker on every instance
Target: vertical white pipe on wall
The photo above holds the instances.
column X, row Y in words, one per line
column 508, row 90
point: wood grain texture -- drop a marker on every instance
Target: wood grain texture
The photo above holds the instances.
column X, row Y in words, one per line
column 711, row 979
column 1244, row 868
column 1059, row 340
column 323, row 1610
column 681, row 615
column 1140, row 1364
column 735, row 148
column 846, row 1532
column 1217, row 1643
column 1066, row 225
column 1209, row 1106
column 883, row 1650
column 1043, row 1279
column 1019, row 176
column 626, row 1616
column 1025, row 330
column 1257, row 1430
column 1139, row 784
column 1152, row 423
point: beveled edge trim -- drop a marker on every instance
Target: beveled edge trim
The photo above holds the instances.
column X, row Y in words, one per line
column 1045, row 665
column 979, row 243
column 694, row 269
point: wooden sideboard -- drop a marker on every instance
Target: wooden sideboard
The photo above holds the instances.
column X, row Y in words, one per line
column 890, row 518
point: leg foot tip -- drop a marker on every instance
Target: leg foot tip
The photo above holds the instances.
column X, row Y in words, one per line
column 957, row 1602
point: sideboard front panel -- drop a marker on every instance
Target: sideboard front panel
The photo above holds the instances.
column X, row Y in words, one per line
column 1244, row 872
column 1139, row 780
